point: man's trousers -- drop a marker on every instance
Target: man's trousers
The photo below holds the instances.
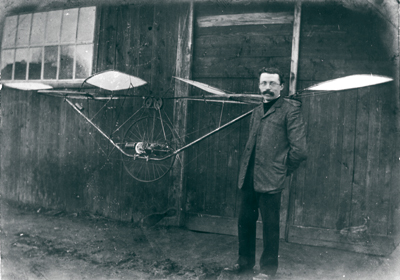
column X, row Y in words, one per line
column 269, row 205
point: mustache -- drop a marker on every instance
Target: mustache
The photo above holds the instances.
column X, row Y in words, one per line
column 267, row 92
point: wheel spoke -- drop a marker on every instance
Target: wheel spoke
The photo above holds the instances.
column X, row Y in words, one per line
column 156, row 136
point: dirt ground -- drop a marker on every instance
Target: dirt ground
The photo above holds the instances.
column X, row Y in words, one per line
column 48, row 244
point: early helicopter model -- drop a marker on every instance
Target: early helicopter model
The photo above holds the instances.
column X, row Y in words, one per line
column 150, row 143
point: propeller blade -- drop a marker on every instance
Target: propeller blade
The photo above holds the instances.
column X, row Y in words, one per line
column 28, row 86
column 113, row 80
column 349, row 82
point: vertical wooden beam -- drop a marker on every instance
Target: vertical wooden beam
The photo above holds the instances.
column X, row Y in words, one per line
column 295, row 48
column 177, row 194
column 292, row 90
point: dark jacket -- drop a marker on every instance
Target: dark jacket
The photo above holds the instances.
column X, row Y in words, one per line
column 280, row 139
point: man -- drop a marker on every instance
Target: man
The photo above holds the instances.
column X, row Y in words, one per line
column 275, row 148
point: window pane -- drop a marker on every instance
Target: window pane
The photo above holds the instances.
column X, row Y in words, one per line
column 24, row 27
column 86, row 24
column 68, row 29
column 67, row 62
column 10, row 28
column 53, row 27
column 37, row 33
column 84, row 55
column 50, row 62
column 35, row 64
column 21, row 61
column 7, row 59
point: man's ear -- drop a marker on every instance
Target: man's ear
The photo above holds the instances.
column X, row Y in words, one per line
column 282, row 86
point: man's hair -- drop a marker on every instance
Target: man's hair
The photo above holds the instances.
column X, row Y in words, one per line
column 272, row 70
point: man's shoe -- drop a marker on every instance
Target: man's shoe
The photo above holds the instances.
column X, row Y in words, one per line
column 237, row 269
column 262, row 276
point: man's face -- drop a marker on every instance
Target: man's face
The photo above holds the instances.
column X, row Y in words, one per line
column 270, row 86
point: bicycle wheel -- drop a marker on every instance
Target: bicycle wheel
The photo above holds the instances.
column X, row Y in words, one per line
column 150, row 141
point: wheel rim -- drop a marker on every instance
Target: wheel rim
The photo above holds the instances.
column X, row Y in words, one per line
column 148, row 139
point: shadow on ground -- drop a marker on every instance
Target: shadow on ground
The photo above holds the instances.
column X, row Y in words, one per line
column 39, row 244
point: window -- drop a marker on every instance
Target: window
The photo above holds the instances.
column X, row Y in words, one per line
column 48, row 46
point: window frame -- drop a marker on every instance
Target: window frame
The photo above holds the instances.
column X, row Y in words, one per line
column 30, row 46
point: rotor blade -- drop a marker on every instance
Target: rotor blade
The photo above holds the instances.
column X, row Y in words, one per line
column 247, row 98
column 113, row 80
column 203, row 86
column 28, row 86
column 350, row 82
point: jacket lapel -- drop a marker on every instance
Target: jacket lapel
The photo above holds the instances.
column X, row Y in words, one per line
column 277, row 104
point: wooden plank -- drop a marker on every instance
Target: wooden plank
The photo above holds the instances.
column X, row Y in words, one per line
column 361, row 242
column 155, row 79
column 145, row 50
column 245, row 19
column 107, row 36
column 122, row 61
column 212, row 195
column 167, row 53
column 29, row 145
column 258, row 41
column 177, row 193
column 214, row 8
column 240, row 31
column 194, row 194
column 5, row 131
column 347, row 159
column 317, row 70
column 230, row 47
column 48, row 158
column 233, row 149
column 358, row 201
column 317, row 201
column 202, row 158
column 388, row 190
column 215, row 224
column 377, row 208
column 331, row 191
column 298, row 184
column 337, row 46
column 134, row 42
column 295, row 49
column 15, row 186
column 216, row 156
column 237, row 67
column 311, row 187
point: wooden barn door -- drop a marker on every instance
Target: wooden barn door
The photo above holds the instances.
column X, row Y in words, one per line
column 228, row 51
column 340, row 196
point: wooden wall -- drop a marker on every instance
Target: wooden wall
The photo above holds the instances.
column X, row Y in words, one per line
column 52, row 158
column 345, row 185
